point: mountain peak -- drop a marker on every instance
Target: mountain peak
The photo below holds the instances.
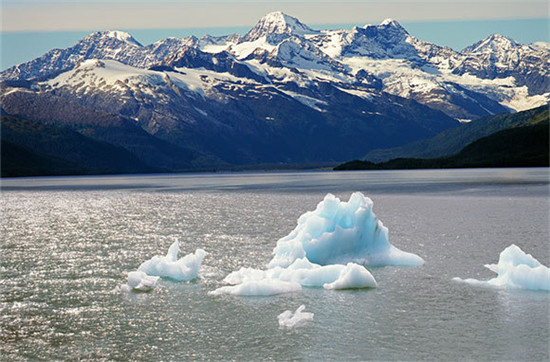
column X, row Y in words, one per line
column 390, row 22
column 277, row 23
column 116, row 34
column 492, row 43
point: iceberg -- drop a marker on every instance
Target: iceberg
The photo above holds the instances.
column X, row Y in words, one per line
column 329, row 248
column 516, row 269
column 287, row 319
column 138, row 281
column 262, row 287
column 141, row 282
column 338, row 232
column 308, row 274
column 169, row 266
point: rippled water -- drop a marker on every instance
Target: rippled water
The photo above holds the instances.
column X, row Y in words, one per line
column 68, row 241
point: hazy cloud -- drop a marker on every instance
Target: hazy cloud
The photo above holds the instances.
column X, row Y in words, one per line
column 38, row 15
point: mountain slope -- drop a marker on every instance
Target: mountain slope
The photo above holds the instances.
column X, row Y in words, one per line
column 229, row 119
column 526, row 146
column 32, row 148
column 92, row 122
column 452, row 141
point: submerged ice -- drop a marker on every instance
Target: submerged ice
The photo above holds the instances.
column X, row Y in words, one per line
column 516, row 269
column 169, row 266
column 299, row 318
column 338, row 232
column 330, row 248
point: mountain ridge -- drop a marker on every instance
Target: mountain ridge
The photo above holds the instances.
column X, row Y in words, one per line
column 282, row 93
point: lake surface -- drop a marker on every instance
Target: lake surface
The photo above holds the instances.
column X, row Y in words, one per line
column 67, row 242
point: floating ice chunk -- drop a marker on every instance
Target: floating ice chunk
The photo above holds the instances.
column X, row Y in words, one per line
column 287, row 319
column 263, row 287
column 516, row 269
column 329, row 248
column 338, row 232
column 169, row 266
column 308, row 274
column 139, row 281
column 353, row 276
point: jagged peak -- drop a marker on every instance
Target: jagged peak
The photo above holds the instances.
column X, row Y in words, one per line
column 277, row 23
column 387, row 25
column 115, row 34
column 492, row 43
column 187, row 41
column 390, row 22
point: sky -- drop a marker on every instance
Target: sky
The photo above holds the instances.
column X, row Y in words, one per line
column 31, row 27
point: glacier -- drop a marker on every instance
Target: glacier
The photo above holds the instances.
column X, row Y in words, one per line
column 169, row 266
column 515, row 269
column 299, row 318
column 330, row 248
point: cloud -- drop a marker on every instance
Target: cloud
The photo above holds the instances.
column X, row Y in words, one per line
column 47, row 15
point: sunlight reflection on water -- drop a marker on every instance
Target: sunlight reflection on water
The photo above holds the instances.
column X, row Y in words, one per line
column 67, row 242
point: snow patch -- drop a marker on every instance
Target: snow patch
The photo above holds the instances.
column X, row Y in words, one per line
column 244, row 49
column 122, row 36
column 306, row 100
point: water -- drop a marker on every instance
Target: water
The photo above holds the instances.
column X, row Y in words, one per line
column 67, row 242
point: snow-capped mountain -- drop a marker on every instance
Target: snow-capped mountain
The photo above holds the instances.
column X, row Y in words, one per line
column 280, row 92
column 275, row 24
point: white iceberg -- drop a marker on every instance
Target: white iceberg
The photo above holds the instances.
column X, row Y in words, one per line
column 516, row 269
column 262, row 287
column 329, row 248
column 169, row 266
column 338, row 232
column 287, row 319
column 308, row 274
column 139, row 281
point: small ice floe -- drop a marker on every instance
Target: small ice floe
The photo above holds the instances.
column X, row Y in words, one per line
column 302, row 272
column 263, row 287
column 169, row 266
column 290, row 320
column 516, row 269
column 149, row 272
column 141, row 282
column 138, row 281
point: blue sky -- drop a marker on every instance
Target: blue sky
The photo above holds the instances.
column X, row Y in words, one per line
column 31, row 27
